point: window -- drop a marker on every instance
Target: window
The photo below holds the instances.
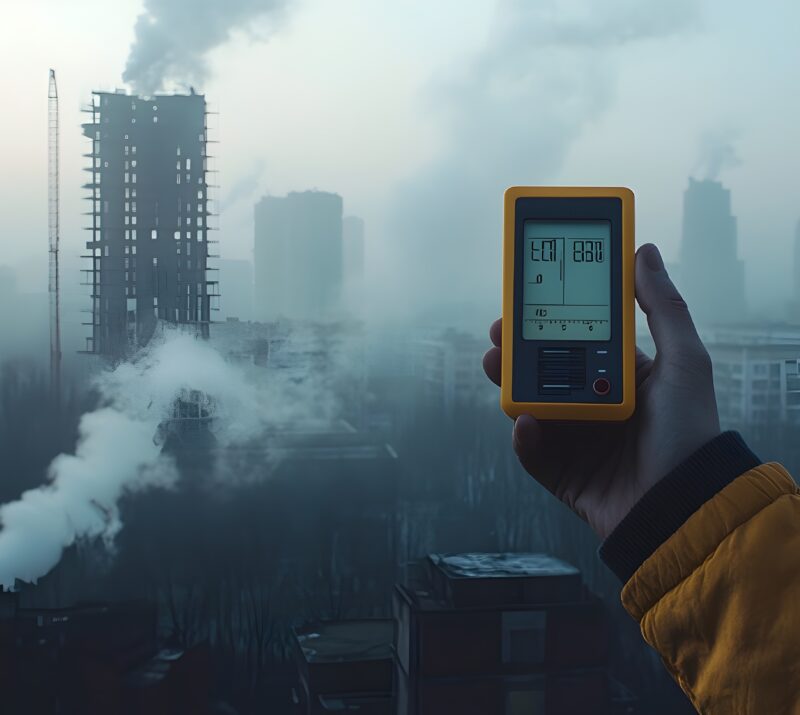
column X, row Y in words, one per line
column 133, row 150
column 133, row 206
column 155, row 262
column 199, row 220
column 127, row 166
column 199, row 208
column 133, row 235
column 127, row 205
column 188, row 235
column 133, row 178
column 178, row 179
column 105, row 252
column 127, row 193
column 127, row 219
column 155, row 119
column 188, row 178
column 133, row 220
column 179, row 151
column 134, row 251
column 133, row 163
column 200, row 194
column 188, row 163
column 154, row 234
column 188, row 220
column 126, row 177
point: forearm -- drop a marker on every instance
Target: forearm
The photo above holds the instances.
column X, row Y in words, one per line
column 714, row 579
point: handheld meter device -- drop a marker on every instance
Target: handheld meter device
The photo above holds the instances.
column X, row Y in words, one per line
column 568, row 303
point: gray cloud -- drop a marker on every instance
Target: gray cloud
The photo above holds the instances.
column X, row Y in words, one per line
column 717, row 153
column 173, row 38
column 510, row 115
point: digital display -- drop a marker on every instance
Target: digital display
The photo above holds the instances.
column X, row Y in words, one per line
column 567, row 275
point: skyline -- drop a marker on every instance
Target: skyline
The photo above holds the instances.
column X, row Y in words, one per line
column 391, row 135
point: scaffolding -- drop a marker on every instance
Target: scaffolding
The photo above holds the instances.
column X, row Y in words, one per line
column 53, row 233
column 151, row 216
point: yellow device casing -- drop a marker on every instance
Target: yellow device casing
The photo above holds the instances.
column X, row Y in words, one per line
column 569, row 410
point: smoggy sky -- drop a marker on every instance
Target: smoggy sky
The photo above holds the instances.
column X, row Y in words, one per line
column 419, row 113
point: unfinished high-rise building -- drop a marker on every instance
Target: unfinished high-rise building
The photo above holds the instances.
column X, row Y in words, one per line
column 149, row 213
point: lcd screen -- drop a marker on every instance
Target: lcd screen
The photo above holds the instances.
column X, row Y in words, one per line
column 567, row 275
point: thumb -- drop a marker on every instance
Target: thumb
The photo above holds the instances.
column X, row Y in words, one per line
column 671, row 326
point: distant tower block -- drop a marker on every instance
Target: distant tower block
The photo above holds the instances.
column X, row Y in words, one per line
column 298, row 256
column 712, row 276
column 796, row 274
column 353, row 263
column 149, row 191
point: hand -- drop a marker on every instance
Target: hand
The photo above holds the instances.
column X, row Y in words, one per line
column 601, row 469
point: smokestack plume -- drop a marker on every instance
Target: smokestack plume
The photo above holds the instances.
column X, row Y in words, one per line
column 173, row 38
column 119, row 447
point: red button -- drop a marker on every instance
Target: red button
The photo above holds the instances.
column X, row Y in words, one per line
column 601, row 386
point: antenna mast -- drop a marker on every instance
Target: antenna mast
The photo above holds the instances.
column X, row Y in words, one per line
column 52, row 225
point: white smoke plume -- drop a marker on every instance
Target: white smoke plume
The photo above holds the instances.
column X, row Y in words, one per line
column 174, row 37
column 119, row 448
column 717, row 154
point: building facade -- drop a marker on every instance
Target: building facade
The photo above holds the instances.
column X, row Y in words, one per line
column 353, row 264
column 711, row 274
column 148, row 190
column 298, row 256
column 756, row 374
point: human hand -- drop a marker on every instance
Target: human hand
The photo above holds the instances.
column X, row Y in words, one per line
column 601, row 469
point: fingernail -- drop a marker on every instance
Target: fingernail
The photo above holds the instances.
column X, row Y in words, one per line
column 652, row 258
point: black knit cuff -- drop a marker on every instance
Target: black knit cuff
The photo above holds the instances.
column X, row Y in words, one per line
column 671, row 501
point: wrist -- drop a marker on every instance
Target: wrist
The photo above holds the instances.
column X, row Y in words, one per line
column 664, row 508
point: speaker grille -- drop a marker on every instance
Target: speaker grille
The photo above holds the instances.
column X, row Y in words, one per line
column 561, row 370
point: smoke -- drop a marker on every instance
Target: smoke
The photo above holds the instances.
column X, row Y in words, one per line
column 119, row 449
column 246, row 186
column 717, row 153
column 173, row 38
column 510, row 115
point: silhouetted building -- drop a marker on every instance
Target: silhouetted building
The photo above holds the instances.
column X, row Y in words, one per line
column 796, row 274
column 712, row 276
column 344, row 665
column 236, row 289
column 756, row 374
column 93, row 659
column 449, row 364
column 353, row 263
column 298, row 256
column 149, row 217
column 501, row 633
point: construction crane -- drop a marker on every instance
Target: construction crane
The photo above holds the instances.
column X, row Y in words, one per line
column 52, row 225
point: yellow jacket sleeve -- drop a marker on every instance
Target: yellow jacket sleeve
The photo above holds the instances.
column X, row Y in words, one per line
column 720, row 598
